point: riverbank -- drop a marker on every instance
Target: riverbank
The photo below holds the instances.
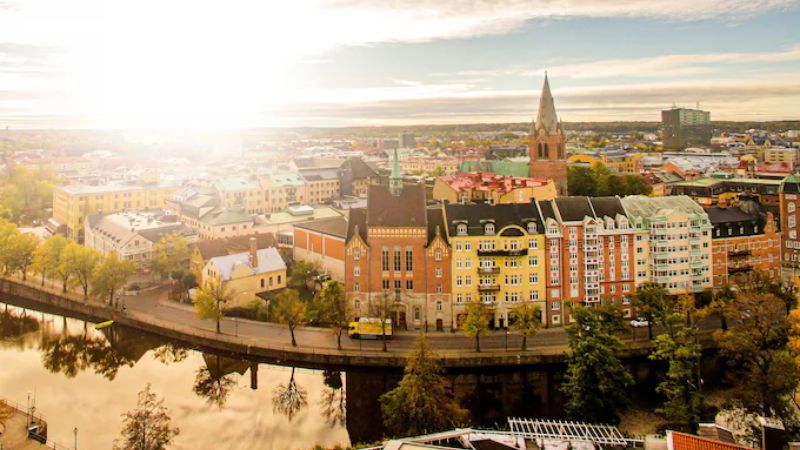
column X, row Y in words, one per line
column 15, row 432
column 270, row 342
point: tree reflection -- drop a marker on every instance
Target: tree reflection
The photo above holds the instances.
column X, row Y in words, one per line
column 170, row 353
column 333, row 404
column 71, row 354
column 289, row 399
column 214, row 381
column 13, row 327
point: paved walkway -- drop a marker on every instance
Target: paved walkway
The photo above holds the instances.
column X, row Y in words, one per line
column 153, row 306
column 15, row 436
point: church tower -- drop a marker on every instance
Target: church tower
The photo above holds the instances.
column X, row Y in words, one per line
column 547, row 151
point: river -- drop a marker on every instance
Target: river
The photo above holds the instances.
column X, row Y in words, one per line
column 84, row 378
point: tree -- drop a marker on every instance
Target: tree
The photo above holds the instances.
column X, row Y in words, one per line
column 81, row 262
column 636, row 185
column 650, row 301
column 289, row 398
column 381, row 310
column 476, row 324
column 721, row 302
column 210, row 302
column 422, row 402
column 580, row 181
column 47, row 256
column 596, row 382
column 303, row 274
column 290, row 310
column 681, row 350
column 148, row 426
column 334, row 309
column 111, row 275
column 756, row 346
column 7, row 232
column 19, row 252
column 527, row 320
column 169, row 254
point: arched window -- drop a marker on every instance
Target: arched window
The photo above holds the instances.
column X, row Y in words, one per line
column 437, row 254
column 461, row 229
column 541, row 150
column 547, row 150
column 488, row 229
column 531, row 227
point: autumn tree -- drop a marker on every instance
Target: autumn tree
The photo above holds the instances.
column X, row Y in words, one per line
column 721, row 301
column 303, row 274
column 596, row 383
column 7, row 233
column 110, row 276
column 47, row 256
column 288, row 399
column 169, row 254
column 476, row 323
column 19, row 253
column 756, row 347
column 334, row 309
column 148, row 426
column 211, row 300
column 290, row 310
column 80, row 261
column 651, row 300
column 526, row 320
column 381, row 308
column 423, row 402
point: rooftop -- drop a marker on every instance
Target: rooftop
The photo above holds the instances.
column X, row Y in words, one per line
column 333, row 226
column 488, row 181
column 269, row 260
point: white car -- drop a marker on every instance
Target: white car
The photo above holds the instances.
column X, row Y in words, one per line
column 638, row 323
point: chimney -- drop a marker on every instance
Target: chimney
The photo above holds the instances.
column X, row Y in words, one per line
column 253, row 252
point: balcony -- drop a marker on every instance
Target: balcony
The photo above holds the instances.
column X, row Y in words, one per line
column 739, row 253
column 489, row 270
column 739, row 269
column 489, row 287
column 502, row 252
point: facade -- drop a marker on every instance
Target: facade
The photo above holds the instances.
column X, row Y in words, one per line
column 282, row 189
column 684, row 127
column 132, row 234
column 745, row 241
column 679, row 238
column 486, row 187
column 204, row 214
column 72, row 203
column 618, row 160
column 791, row 156
column 425, row 165
column 498, row 257
column 789, row 226
column 396, row 253
column 201, row 251
column 547, row 148
column 322, row 241
column 247, row 274
column 240, row 192
column 707, row 191
column 590, row 252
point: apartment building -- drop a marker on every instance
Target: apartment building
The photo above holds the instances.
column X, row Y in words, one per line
column 73, row 203
column 322, row 241
column 280, row 189
column 789, row 226
column 679, row 238
column 240, row 192
column 498, row 258
column 745, row 242
column 204, row 214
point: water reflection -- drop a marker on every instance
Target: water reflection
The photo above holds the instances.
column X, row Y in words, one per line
column 333, row 404
column 215, row 380
column 288, row 399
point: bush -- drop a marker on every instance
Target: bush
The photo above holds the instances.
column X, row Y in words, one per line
column 255, row 310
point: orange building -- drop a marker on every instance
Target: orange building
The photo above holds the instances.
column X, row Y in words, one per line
column 322, row 241
column 745, row 241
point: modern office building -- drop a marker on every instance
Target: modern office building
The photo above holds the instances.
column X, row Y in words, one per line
column 683, row 127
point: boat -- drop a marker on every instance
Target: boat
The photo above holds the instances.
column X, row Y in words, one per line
column 102, row 325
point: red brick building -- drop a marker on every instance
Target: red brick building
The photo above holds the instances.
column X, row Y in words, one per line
column 395, row 247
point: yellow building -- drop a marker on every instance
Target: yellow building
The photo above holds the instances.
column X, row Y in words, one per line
column 498, row 257
column 246, row 274
column 72, row 203
column 620, row 161
column 486, row 187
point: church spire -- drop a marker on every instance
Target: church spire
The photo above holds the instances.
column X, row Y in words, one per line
column 395, row 180
column 546, row 118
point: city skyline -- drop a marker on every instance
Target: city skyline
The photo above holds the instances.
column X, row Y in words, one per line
column 348, row 63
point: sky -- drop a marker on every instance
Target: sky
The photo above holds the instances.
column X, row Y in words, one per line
column 244, row 64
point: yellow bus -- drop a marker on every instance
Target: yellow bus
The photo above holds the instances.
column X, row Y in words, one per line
column 369, row 328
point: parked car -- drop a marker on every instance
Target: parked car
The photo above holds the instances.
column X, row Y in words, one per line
column 639, row 323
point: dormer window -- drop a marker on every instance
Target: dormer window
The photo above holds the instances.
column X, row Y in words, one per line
column 461, row 229
column 531, row 227
column 488, row 229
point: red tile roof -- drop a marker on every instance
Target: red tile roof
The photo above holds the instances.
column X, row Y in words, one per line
column 683, row 441
column 488, row 181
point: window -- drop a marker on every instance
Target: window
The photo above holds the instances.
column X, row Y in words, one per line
column 555, row 306
column 488, row 229
column 438, row 288
column 459, row 298
column 262, row 282
column 398, row 285
column 438, row 272
column 397, row 258
column 356, row 287
column 385, row 259
column 468, row 280
column 533, row 278
column 439, row 305
column 409, row 285
column 461, row 229
column 467, row 246
column 459, row 280
column 385, row 284
column 531, row 227
column 279, row 279
column 357, row 303
column 356, row 253
column 533, row 244
column 533, row 261
column 533, row 296
column 357, row 271
column 409, row 259
column 437, row 254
